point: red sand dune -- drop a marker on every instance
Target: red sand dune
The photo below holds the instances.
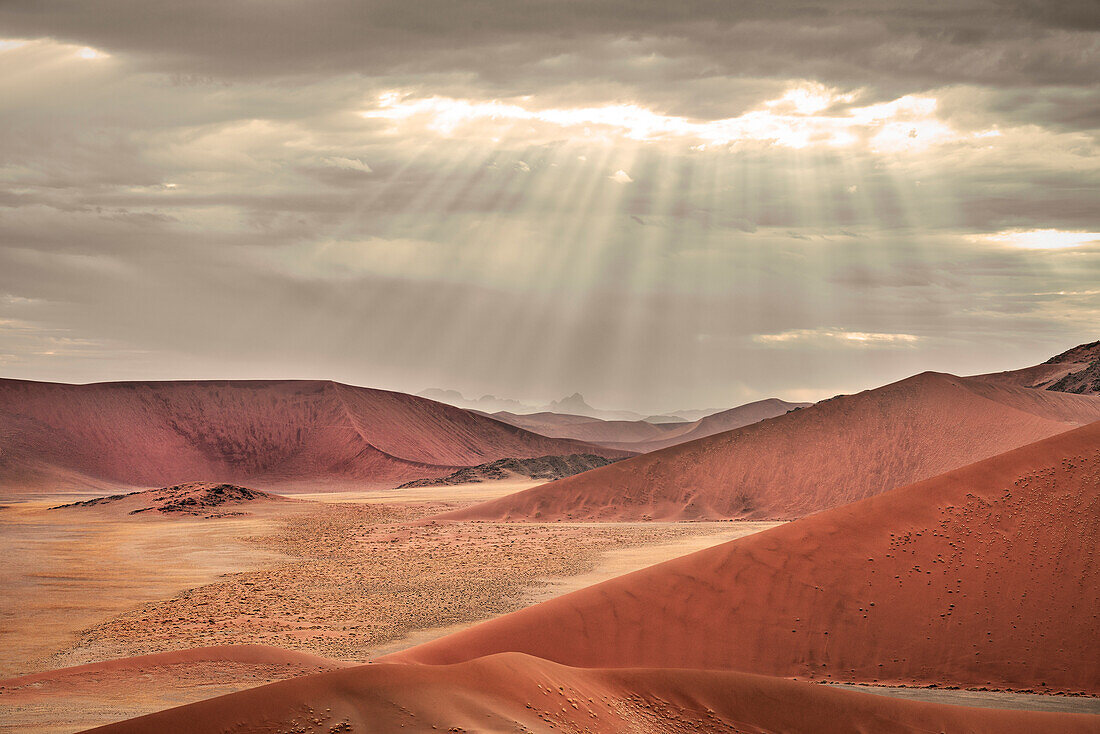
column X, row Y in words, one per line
column 835, row 452
column 642, row 436
column 508, row 693
column 268, row 433
column 983, row 576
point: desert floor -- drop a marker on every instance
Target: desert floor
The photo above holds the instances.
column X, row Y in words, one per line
column 346, row 576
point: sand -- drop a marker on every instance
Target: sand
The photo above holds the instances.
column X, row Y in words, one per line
column 99, row 693
column 344, row 581
column 269, row 435
column 835, row 452
column 981, row 577
column 517, row 693
column 463, row 494
column 365, row 577
column 65, row 570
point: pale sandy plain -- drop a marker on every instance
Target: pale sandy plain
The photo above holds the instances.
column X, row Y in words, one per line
column 347, row 576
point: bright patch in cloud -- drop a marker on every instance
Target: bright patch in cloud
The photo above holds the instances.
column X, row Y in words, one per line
column 797, row 119
column 621, row 176
column 90, row 54
column 1040, row 239
column 836, row 337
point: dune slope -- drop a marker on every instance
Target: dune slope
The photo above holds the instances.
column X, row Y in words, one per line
column 983, row 576
column 835, row 452
column 1075, row 370
column 507, row 693
column 266, row 433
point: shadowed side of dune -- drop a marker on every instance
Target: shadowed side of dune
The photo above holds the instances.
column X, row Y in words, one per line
column 984, row 576
column 518, row 693
column 835, row 452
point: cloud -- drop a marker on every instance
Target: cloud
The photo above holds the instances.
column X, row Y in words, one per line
column 349, row 164
column 1041, row 239
column 838, row 338
column 807, row 114
column 381, row 183
column 895, row 46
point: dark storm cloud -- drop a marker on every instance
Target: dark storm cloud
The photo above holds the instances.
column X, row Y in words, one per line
column 895, row 46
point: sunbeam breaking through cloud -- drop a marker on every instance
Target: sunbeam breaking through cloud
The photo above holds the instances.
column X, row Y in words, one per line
column 641, row 206
column 804, row 115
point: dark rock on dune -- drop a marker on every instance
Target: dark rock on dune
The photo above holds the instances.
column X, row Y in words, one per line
column 1075, row 370
column 209, row 499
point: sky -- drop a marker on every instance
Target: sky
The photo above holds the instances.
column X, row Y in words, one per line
column 661, row 205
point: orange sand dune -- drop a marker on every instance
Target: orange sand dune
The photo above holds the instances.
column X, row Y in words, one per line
column 512, row 692
column 983, row 576
column 267, row 433
column 835, row 452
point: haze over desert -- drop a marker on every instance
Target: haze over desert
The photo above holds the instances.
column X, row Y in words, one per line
column 603, row 367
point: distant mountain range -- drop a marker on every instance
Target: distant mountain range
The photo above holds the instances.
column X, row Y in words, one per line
column 574, row 404
column 646, row 435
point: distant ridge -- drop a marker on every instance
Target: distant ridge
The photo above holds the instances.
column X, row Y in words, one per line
column 283, row 434
column 649, row 434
